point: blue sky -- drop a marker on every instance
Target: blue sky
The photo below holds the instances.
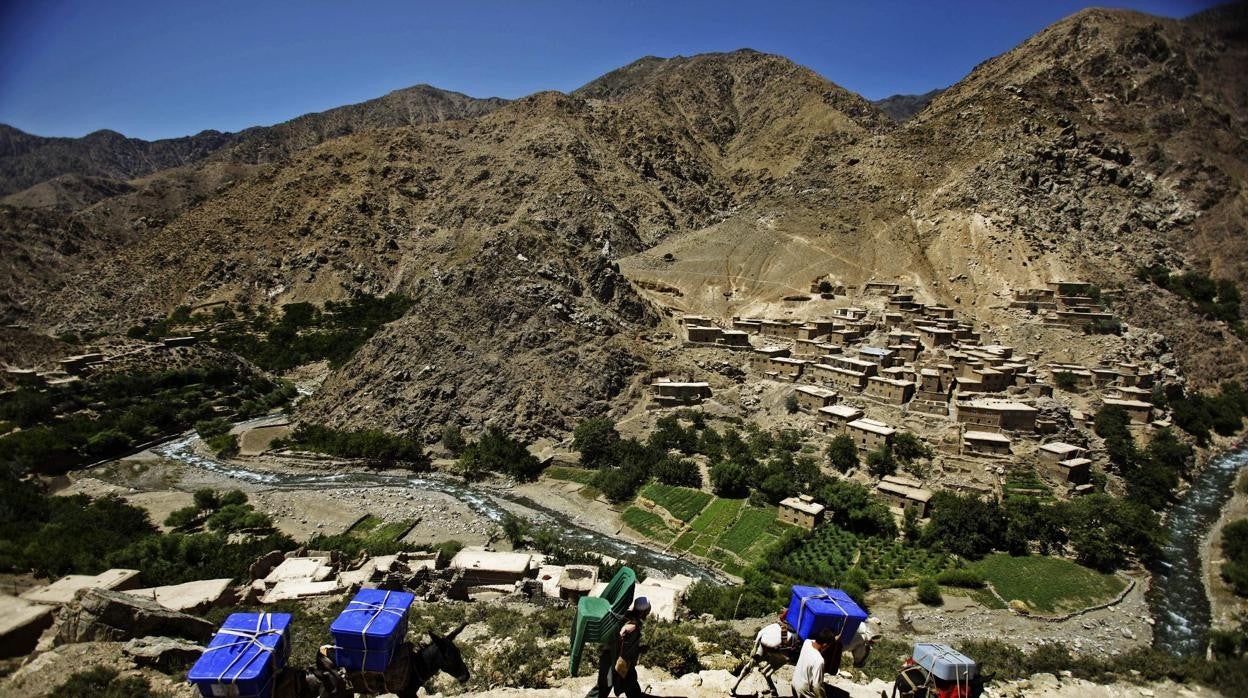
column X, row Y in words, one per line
column 157, row 69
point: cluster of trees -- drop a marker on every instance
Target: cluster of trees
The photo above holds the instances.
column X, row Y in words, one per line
column 906, row 450
column 757, row 464
column 53, row 536
column 372, row 445
column 1199, row 414
column 1103, row 532
column 1216, row 299
column 303, row 333
column 624, row 465
column 216, row 433
column 1151, row 474
column 107, row 416
column 221, row 513
column 498, row 453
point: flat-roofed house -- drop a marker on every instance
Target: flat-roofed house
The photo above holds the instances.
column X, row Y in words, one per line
column 1058, row 451
column 1073, row 471
column 906, row 494
column 986, row 442
column 999, row 415
column 839, row 378
column 894, row 391
column 483, row 567
column 670, row 393
column 877, row 355
column 1140, row 412
column 835, row 417
column 736, row 339
column 849, row 363
column 786, row 368
column 869, row 435
column 802, row 511
column 760, row 359
column 933, row 337
column 811, row 398
column 698, row 334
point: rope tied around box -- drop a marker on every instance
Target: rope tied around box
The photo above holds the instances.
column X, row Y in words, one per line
column 250, row 638
column 364, row 607
column 823, row 595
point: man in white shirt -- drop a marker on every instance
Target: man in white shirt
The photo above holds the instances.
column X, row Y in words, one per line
column 808, row 674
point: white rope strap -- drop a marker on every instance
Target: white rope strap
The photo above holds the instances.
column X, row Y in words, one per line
column 250, row 637
column 365, row 607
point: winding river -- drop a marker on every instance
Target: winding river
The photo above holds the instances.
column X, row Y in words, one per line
column 183, row 450
column 1178, row 598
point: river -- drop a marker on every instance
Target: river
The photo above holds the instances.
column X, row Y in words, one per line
column 1177, row 597
column 484, row 503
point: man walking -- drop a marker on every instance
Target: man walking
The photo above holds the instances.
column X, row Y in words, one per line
column 811, row 664
column 617, row 657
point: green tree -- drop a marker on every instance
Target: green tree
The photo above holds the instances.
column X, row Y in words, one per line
column 842, row 453
column 964, row 525
column 593, row 439
column 729, row 479
column 453, row 440
column 880, row 462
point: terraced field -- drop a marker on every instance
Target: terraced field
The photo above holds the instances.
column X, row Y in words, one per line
column 372, row 529
column 578, row 475
column 648, row 524
column 682, row 502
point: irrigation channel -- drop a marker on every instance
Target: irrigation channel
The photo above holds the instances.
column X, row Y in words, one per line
column 484, row 503
column 1177, row 597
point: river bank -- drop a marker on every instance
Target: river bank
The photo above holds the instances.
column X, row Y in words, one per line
column 1224, row 603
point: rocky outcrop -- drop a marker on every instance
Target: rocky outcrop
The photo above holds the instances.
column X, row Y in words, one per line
column 102, row 615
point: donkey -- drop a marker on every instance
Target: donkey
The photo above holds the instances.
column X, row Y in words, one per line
column 324, row 680
column 776, row 645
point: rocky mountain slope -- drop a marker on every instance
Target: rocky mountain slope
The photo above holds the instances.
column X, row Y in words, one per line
column 1031, row 168
column 27, row 160
column 902, row 107
column 717, row 184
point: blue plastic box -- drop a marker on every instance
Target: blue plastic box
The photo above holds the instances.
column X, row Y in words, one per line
column 812, row 609
column 370, row 629
column 244, row 657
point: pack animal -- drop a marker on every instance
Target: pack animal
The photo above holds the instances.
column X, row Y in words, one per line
column 324, row 680
column 777, row 645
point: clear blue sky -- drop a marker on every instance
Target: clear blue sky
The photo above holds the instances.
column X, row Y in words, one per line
column 162, row 68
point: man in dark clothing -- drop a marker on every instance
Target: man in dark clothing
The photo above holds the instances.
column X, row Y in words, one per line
column 617, row 657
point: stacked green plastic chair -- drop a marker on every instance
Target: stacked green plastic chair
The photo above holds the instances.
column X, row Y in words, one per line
column 599, row 617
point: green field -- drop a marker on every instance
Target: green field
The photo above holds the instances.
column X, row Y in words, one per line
column 681, row 502
column 648, row 524
column 372, row 529
column 1048, row 584
column 578, row 475
column 724, row 531
column 831, row 552
column 1027, row 484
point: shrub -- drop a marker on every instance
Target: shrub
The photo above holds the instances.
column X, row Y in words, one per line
column 224, row 445
column 880, row 462
column 790, row 403
column 729, row 479
column 669, row 650
column 103, row 682
column 1065, row 380
column 453, row 440
column 961, row 577
column 928, row 592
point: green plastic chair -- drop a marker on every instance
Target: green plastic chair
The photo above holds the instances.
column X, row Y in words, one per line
column 599, row 617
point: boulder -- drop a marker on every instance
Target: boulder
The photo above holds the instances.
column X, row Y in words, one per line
column 103, row 615
column 164, row 653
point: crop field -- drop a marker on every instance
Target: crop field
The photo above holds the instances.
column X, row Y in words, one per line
column 372, row 529
column 1048, row 584
column 681, row 502
column 725, row 532
column 648, row 524
column 1027, row 484
column 831, row 552
column 578, row 475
